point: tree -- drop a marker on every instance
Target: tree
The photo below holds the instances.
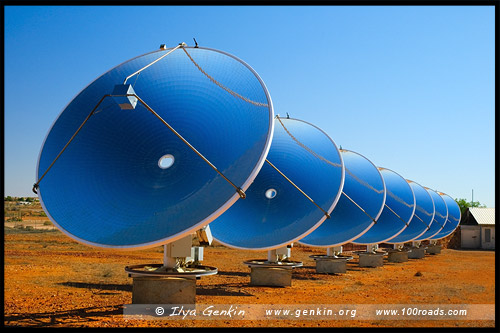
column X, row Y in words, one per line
column 464, row 204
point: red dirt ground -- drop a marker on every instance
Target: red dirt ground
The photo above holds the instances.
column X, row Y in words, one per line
column 52, row 281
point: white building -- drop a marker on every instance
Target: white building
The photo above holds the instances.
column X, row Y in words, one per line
column 478, row 228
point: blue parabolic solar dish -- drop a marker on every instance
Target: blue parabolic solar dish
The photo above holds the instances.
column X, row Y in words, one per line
column 275, row 213
column 398, row 210
column 126, row 181
column 365, row 186
column 440, row 216
column 453, row 217
column 422, row 218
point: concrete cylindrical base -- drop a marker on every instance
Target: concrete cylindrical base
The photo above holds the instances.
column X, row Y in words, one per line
column 416, row 253
column 433, row 249
column 397, row 256
column 163, row 290
column 371, row 260
column 271, row 276
column 336, row 265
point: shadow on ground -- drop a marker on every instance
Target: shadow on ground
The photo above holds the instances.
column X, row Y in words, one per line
column 66, row 317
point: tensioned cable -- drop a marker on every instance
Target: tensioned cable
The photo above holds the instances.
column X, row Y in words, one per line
column 440, row 215
column 181, row 45
column 362, row 182
column 420, row 209
column 235, row 94
column 135, row 81
column 298, row 188
column 443, row 217
column 436, row 212
column 36, row 185
column 398, row 199
column 335, row 165
column 305, row 147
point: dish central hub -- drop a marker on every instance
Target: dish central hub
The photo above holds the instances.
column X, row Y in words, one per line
column 166, row 161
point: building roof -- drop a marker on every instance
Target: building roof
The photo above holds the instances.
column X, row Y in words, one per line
column 483, row 215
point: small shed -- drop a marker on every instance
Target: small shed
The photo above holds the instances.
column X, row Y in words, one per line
column 477, row 228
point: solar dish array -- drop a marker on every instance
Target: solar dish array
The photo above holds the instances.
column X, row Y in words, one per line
column 170, row 141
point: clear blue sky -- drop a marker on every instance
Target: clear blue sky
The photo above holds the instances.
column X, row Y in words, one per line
column 410, row 88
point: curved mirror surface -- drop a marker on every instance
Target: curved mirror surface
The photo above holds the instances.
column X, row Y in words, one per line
column 275, row 213
column 453, row 219
column 126, row 180
column 422, row 218
column 363, row 187
column 398, row 210
column 440, row 216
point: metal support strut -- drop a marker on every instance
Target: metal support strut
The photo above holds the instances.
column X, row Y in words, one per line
column 364, row 211
column 418, row 217
column 36, row 185
column 238, row 189
column 163, row 56
column 181, row 45
column 298, row 188
column 399, row 217
column 326, row 161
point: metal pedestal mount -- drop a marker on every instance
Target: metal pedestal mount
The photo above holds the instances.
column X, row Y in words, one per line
column 276, row 271
column 433, row 247
column 174, row 281
column 333, row 262
column 416, row 251
column 398, row 254
column 371, row 257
